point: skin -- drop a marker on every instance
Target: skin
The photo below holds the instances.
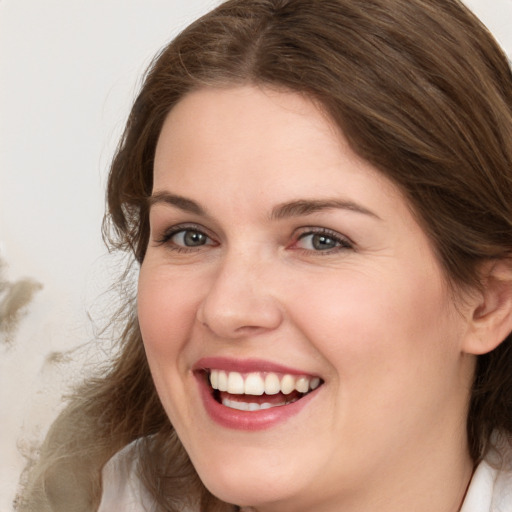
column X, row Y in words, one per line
column 372, row 315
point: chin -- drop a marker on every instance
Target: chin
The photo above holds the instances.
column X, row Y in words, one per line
column 244, row 486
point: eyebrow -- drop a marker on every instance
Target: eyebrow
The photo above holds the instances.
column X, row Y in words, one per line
column 297, row 208
column 309, row 206
column 180, row 202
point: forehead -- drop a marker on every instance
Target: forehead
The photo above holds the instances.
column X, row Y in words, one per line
column 270, row 138
column 249, row 118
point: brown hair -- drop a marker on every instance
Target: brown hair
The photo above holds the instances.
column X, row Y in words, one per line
column 421, row 91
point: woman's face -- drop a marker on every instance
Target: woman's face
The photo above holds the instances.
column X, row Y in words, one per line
column 281, row 263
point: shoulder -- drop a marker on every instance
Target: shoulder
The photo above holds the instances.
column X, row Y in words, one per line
column 122, row 488
column 491, row 487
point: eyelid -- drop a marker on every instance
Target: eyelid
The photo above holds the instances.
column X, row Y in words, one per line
column 169, row 232
column 344, row 241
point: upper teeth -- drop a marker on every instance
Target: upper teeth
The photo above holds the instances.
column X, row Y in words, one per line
column 257, row 383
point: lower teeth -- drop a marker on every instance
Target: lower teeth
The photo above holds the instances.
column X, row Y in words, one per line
column 252, row 406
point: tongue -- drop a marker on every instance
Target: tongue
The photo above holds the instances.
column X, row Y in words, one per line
column 276, row 399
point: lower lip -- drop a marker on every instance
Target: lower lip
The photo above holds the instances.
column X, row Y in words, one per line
column 248, row 420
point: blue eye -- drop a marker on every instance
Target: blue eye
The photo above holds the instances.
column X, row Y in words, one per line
column 189, row 238
column 322, row 241
column 183, row 238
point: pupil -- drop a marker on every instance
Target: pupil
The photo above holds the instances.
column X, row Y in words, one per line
column 322, row 242
column 193, row 238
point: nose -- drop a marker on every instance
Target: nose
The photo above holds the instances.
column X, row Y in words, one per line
column 240, row 301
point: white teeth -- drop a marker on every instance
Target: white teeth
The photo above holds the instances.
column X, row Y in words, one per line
column 258, row 384
column 214, row 379
column 235, row 383
column 254, row 384
column 287, row 384
column 244, row 406
column 241, row 406
column 253, row 406
column 223, row 381
column 272, row 384
column 302, row 385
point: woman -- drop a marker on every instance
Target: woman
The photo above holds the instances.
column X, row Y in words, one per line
column 318, row 196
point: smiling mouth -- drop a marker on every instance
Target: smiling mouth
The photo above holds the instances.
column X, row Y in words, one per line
column 259, row 390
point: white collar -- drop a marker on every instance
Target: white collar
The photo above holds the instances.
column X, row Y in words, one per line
column 491, row 486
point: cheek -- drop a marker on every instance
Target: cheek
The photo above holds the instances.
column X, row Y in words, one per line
column 391, row 345
column 166, row 312
column 386, row 324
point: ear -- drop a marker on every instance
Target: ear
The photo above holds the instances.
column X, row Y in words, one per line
column 491, row 320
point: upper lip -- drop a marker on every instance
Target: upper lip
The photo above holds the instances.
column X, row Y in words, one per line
column 246, row 366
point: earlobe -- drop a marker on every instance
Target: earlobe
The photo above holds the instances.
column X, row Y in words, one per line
column 491, row 321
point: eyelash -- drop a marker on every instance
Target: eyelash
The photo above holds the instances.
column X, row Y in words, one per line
column 165, row 239
column 342, row 242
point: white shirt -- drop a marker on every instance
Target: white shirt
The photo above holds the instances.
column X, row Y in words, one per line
column 490, row 489
column 122, row 489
